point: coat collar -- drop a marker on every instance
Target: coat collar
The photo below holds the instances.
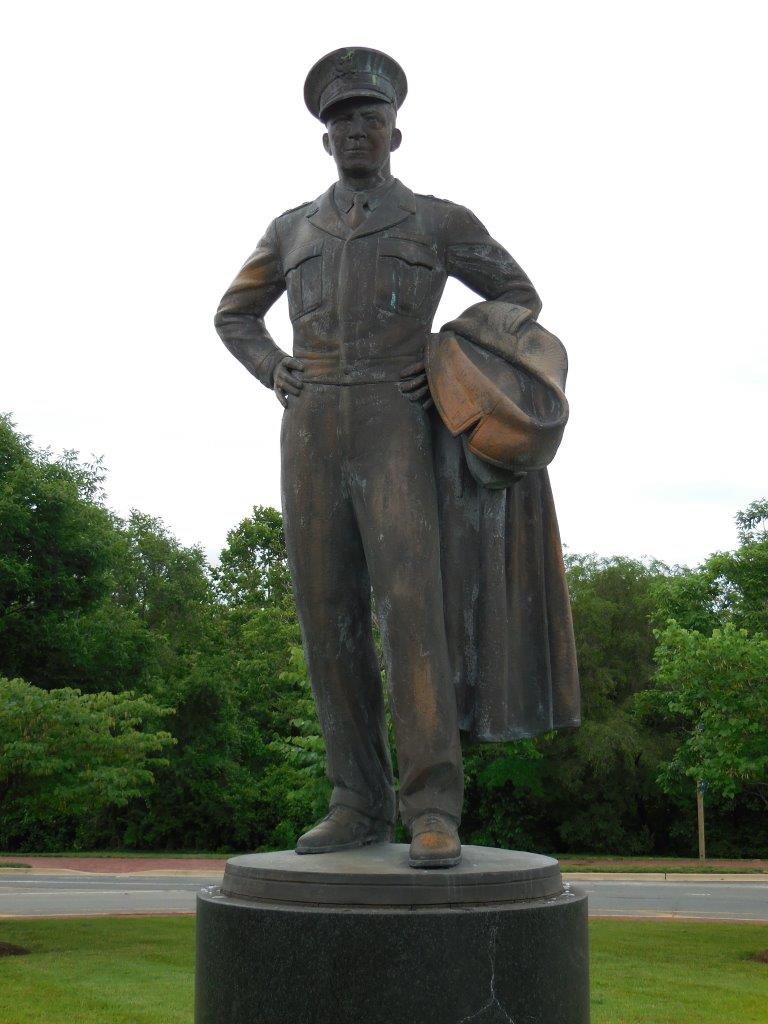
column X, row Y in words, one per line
column 398, row 203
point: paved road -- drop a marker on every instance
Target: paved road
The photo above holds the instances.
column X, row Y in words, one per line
column 77, row 895
column 42, row 895
column 722, row 901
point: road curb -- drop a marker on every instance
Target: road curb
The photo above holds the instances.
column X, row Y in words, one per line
column 671, row 876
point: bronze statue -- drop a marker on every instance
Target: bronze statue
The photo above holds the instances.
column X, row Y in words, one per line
column 413, row 468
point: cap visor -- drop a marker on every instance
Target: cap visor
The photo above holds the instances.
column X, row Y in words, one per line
column 356, row 93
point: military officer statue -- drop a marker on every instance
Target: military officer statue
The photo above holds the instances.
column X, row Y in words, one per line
column 413, row 470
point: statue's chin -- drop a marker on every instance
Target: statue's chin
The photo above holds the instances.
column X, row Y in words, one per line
column 359, row 166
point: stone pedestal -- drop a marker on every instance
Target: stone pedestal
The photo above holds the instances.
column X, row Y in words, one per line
column 361, row 938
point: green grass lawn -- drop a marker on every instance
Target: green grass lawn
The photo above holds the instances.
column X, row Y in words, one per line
column 668, row 972
column 140, row 971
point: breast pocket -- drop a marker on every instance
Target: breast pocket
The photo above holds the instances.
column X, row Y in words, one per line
column 303, row 268
column 404, row 271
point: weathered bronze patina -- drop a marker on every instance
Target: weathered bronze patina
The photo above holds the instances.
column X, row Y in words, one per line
column 444, row 513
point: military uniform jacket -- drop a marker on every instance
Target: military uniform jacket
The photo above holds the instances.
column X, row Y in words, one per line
column 362, row 304
column 362, row 301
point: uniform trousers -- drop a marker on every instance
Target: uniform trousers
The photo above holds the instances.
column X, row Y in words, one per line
column 360, row 513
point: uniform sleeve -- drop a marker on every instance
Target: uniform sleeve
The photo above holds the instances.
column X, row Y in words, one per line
column 240, row 316
column 479, row 262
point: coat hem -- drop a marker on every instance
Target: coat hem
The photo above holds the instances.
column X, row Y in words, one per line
column 511, row 735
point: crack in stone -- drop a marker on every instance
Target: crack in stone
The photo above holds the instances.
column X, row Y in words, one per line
column 494, row 999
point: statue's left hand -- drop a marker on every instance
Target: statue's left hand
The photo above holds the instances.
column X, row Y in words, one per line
column 415, row 386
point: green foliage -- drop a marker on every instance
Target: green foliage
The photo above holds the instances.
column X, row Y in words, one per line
column 752, row 522
column 137, row 623
column 57, row 547
column 612, row 599
column 252, row 570
column 716, row 688
column 731, row 586
column 299, row 767
column 65, row 754
column 303, row 747
column 598, row 782
column 500, row 779
column 742, row 575
column 691, row 597
column 166, row 584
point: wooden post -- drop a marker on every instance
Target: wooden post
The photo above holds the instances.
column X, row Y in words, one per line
column 700, row 816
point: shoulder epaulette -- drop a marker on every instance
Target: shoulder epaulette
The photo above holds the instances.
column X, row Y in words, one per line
column 437, row 199
column 294, row 209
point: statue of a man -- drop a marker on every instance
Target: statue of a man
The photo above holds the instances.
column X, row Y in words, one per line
column 444, row 514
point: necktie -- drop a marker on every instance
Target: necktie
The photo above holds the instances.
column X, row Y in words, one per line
column 358, row 213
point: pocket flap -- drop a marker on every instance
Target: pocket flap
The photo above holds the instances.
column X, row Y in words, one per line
column 300, row 254
column 415, row 253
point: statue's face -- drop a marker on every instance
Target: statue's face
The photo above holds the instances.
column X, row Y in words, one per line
column 361, row 135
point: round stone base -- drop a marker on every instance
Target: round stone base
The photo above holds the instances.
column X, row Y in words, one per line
column 361, row 938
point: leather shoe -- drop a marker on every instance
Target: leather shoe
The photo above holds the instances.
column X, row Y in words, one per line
column 344, row 829
column 434, row 841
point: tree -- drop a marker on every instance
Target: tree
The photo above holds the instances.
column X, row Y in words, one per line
column 64, row 754
column 612, row 601
column 229, row 783
column 752, row 522
column 715, row 690
column 166, row 584
column 297, row 774
column 91, row 602
column 597, row 783
column 503, row 783
column 730, row 586
column 742, row 575
column 57, row 545
column 253, row 569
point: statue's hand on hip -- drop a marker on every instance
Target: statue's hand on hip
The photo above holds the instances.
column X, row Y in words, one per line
column 287, row 379
column 415, row 386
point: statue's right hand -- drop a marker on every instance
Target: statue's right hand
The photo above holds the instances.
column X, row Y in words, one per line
column 287, row 379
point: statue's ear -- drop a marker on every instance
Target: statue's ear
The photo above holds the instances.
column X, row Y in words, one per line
column 397, row 138
column 327, row 144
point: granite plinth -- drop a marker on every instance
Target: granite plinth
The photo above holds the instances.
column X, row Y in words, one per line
column 360, row 938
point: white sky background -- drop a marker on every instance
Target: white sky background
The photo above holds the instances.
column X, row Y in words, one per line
column 618, row 150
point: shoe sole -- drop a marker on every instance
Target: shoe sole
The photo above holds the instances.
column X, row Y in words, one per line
column 438, row 862
column 338, row 847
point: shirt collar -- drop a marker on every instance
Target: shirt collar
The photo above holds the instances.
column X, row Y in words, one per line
column 344, row 197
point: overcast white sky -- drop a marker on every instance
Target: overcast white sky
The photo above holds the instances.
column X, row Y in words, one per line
column 618, row 150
